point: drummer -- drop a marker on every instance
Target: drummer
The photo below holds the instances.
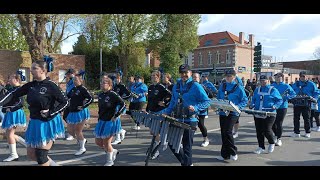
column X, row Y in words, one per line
column 265, row 98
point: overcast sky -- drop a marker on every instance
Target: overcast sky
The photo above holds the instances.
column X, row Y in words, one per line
column 288, row 37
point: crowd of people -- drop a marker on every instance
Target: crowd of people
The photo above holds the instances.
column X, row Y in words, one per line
column 187, row 100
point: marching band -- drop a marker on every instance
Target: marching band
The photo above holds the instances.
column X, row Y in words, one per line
column 172, row 114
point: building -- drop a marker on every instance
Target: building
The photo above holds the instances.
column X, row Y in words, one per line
column 220, row 51
column 11, row 61
column 311, row 65
column 266, row 61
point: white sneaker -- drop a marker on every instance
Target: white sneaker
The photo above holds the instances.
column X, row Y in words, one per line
column 156, row 155
column 235, row 135
column 316, row 129
column 234, row 158
column 294, row 135
column 69, row 138
column 271, row 148
column 220, row 158
column 80, row 152
column 136, row 127
column 12, row 157
column 122, row 134
column 259, row 150
column 114, row 154
column 308, row 135
column 279, row 142
column 205, row 144
column 117, row 141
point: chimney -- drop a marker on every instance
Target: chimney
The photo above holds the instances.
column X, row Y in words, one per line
column 241, row 38
column 251, row 40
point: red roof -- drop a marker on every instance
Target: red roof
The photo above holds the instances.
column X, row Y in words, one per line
column 214, row 39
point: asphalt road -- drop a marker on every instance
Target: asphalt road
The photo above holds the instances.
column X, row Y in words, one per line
column 294, row 151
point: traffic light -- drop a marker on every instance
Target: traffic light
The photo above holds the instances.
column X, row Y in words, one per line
column 257, row 63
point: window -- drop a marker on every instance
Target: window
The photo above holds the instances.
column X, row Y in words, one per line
column 200, row 59
column 25, row 74
column 223, row 41
column 209, row 58
column 218, row 57
column 228, row 57
column 62, row 73
column 208, row 43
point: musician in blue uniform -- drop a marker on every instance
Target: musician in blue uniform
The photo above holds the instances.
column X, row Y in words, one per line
column 308, row 89
column 188, row 99
column 14, row 117
column 80, row 99
column 209, row 84
column 287, row 93
column 232, row 91
column 70, row 84
column 125, row 94
column 265, row 98
column 140, row 91
column 111, row 106
column 46, row 102
column 316, row 114
column 202, row 114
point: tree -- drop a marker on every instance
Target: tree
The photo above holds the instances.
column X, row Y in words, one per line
column 127, row 33
column 316, row 53
column 11, row 37
column 172, row 36
column 33, row 28
column 58, row 29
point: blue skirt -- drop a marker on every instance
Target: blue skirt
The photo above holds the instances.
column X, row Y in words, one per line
column 78, row 117
column 105, row 129
column 39, row 133
column 12, row 119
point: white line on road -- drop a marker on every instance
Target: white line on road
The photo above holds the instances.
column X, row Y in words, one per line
column 79, row 159
column 266, row 159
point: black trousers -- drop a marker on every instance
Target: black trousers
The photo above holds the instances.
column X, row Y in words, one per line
column 185, row 154
column 226, row 125
column 264, row 129
column 136, row 106
column 314, row 115
column 65, row 114
column 306, row 113
column 277, row 125
column 201, row 125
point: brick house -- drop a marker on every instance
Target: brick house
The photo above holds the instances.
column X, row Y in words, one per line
column 11, row 61
column 220, row 51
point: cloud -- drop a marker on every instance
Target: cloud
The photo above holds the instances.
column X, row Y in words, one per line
column 208, row 21
column 307, row 46
column 268, row 40
column 271, row 47
column 66, row 47
column 287, row 19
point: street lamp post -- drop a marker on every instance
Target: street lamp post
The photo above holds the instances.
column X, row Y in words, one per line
column 251, row 63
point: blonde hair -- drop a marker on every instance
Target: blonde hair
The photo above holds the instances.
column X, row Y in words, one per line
column 108, row 80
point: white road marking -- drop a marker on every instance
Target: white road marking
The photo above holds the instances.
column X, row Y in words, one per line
column 266, row 159
column 79, row 159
